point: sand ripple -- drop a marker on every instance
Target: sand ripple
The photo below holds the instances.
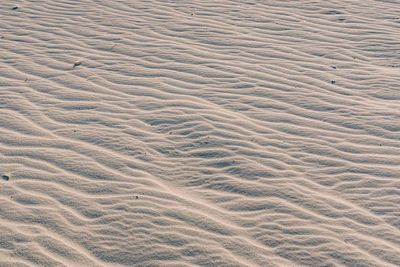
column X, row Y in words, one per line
column 215, row 133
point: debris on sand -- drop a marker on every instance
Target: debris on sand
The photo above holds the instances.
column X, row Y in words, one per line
column 5, row 177
column 14, row 8
column 77, row 63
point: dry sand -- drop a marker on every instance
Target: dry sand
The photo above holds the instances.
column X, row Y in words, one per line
column 199, row 133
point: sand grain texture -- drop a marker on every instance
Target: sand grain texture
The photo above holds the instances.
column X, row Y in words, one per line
column 199, row 133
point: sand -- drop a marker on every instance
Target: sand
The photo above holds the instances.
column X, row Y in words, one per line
column 199, row 133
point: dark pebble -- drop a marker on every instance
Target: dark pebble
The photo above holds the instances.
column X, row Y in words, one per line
column 333, row 82
column 5, row 177
column 137, row 197
column 14, row 8
column 76, row 64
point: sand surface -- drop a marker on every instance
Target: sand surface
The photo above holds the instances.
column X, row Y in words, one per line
column 199, row 133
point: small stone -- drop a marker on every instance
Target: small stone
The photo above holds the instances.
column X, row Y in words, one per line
column 333, row 82
column 14, row 8
column 77, row 63
column 137, row 197
column 5, row 177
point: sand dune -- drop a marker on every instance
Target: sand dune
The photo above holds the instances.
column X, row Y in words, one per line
column 204, row 133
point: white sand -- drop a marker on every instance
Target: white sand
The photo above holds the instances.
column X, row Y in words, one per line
column 200, row 133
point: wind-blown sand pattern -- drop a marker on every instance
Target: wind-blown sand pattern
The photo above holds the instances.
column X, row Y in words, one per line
column 199, row 133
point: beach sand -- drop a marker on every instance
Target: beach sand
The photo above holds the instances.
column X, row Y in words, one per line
column 199, row 133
